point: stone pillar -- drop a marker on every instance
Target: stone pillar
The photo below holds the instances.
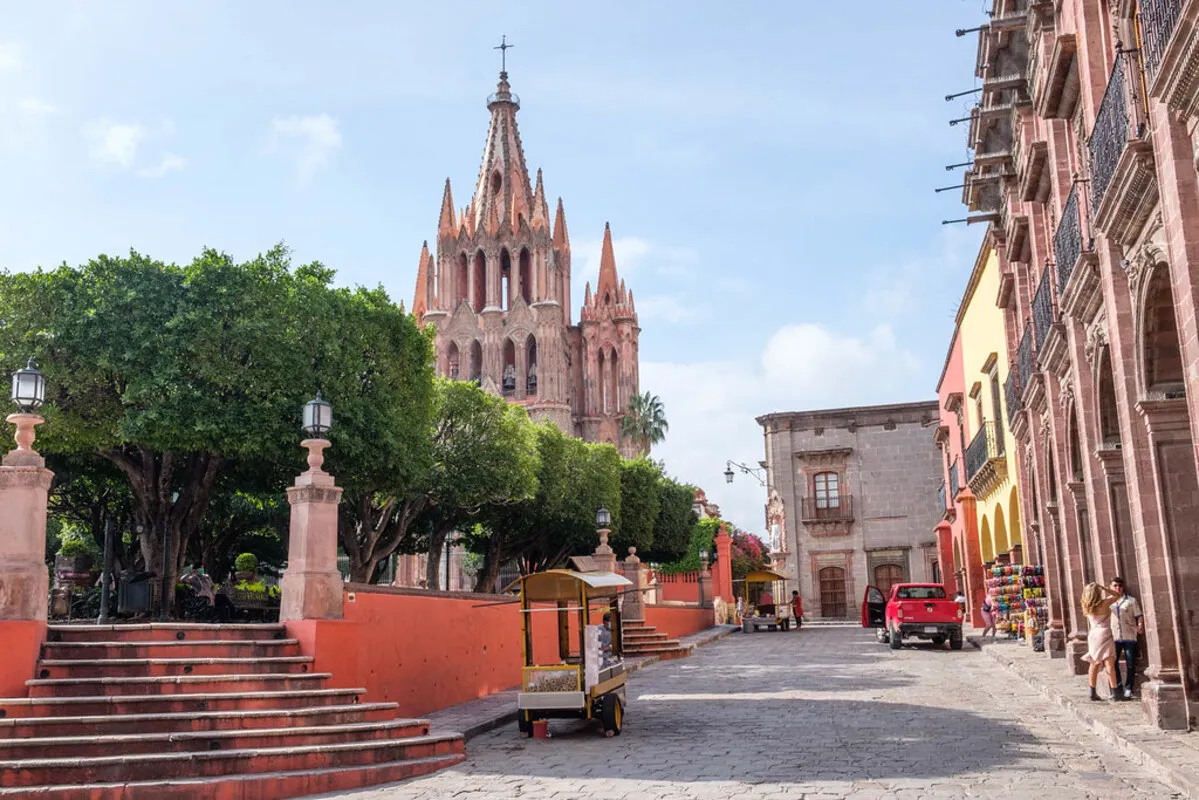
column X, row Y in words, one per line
column 604, row 555
column 705, row 582
column 944, row 533
column 24, row 580
column 634, row 604
column 723, row 579
column 312, row 586
column 972, row 559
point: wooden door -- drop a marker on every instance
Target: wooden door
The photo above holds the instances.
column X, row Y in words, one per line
column 886, row 576
column 832, row 592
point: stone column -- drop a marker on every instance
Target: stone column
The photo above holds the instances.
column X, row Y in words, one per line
column 604, row 554
column 634, row 603
column 944, row 533
column 723, row 579
column 705, row 582
column 312, row 586
column 24, row 580
column 972, row 559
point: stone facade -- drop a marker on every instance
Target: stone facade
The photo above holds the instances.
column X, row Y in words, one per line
column 1084, row 169
column 498, row 291
column 849, row 491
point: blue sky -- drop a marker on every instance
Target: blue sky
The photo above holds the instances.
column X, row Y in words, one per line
column 767, row 168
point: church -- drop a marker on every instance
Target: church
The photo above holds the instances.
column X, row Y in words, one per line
column 498, row 292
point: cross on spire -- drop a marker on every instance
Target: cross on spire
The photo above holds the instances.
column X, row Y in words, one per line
column 503, row 48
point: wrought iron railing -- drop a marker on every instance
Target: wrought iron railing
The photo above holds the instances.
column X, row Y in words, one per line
column 1024, row 362
column 1110, row 133
column 941, row 507
column 1042, row 310
column 1067, row 241
column 1159, row 18
column 1011, row 395
column 838, row 507
column 955, row 480
column 981, row 450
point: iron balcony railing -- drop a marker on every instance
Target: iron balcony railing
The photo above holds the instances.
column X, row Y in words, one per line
column 1159, row 18
column 1011, row 394
column 941, row 507
column 955, row 480
column 1067, row 241
column 1042, row 310
column 818, row 509
column 981, row 450
column 1110, row 133
column 1024, row 362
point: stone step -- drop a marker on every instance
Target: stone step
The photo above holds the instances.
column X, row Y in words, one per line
column 638, row 636
column 196, row 722
column 162, row 631
column 199, row 648
column 651, row 645
column 657, row 650
column 150, row 667
column 174, row 684
column 91, row 746
column 173, row 703
column 218, row 763
column 262, row 786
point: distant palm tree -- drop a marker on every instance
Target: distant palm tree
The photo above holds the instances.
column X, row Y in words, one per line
column 644, row 421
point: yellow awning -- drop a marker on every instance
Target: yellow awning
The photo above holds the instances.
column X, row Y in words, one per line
column 563, row 584
column 764, row 576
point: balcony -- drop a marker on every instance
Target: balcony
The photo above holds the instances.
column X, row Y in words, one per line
column 941, row 506
column 1033, row 185
column 1123, row 179
column 827, row 516
column 986, row 467
column 955, row 481
column 1158, row 19
column 1024, row 361
column 1011, row 395
column 1057, row 90
column 1067, row 240
column 1043, row 314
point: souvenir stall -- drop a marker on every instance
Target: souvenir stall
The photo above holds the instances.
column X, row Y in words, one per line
column 1036, row 612
column 1005, row 590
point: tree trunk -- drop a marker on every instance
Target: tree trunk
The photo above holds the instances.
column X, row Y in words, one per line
column 492, row 560
column 433, row 568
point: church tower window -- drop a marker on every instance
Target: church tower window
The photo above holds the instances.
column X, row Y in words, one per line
column 479, row 284
column 462, row 281
column 525, row 277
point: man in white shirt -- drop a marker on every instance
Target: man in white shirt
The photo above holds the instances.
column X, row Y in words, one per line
column 1127, row 624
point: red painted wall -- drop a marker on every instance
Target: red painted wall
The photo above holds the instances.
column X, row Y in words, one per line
column 678, row 592
column 679, row 621
column 21, row 643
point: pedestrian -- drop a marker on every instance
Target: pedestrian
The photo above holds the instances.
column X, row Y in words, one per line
column 797, row 608
column 740, row 609
column 1101, row 648
column 1127, row 625
column 960, row 599
column 990, row 616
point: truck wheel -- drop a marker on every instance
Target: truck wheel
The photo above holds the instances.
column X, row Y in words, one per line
column 955, row 642
column 611, row 715
column 896, row 639
column 882, row 635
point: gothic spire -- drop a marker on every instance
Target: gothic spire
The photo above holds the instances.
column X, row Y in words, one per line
column 503, row 189
column 447, row 226
column 561, row 237
column 424, row 272
column 541, row 211
column 608, row 281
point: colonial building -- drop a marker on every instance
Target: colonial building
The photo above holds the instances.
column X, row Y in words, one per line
column 498, row 291
column 1084, row 143
column 848, row 490
column 978, row 499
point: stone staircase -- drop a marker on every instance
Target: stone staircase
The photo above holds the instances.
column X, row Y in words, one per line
column 644, row 640
column 188, row 711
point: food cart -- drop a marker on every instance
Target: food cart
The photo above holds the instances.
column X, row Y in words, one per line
column 585, row 678
column 773, row 616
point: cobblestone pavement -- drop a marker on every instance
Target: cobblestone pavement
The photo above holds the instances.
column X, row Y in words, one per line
column 814, row 714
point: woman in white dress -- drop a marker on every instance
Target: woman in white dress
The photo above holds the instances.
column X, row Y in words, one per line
column 1101, row 648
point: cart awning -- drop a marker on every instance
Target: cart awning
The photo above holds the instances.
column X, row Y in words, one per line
column 563, row 584
column 764, row 576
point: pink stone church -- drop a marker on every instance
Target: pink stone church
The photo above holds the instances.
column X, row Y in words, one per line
column 497, row 290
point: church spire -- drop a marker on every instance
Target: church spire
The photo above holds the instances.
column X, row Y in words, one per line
column 424, row 270
column 608, row 284
column 447, row 226
column 561, row 237
column 541, row 210
column 503, row 189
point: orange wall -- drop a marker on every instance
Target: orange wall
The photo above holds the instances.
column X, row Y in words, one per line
column 680, row 592
column 21, row 642
column 679, row 621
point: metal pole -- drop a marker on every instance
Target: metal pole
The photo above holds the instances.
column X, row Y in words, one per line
column 165, row 602
column 106, row 577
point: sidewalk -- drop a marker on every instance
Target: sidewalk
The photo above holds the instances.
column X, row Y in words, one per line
column 486, row 713
column 1172, row 756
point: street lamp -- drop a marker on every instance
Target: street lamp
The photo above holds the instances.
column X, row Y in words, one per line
column 728, row 472
column 602, row 517
column 318, row 417
column 28, row 388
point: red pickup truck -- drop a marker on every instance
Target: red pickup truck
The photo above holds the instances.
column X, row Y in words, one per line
column 914, row 610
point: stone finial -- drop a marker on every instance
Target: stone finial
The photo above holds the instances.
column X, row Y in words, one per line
column 632, row 557
column 316, row 453
column 24, row 455
column 604, row 549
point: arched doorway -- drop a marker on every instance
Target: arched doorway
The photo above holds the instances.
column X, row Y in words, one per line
column 999, row 533
column 832, row 592
column 985, row 542
column 508, row 376
column 887, row 575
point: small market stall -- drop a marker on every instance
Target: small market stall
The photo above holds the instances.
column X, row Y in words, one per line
column 764, row 588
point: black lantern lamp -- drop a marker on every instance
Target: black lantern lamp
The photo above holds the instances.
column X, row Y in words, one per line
column 318, row 417
column 602, row 518
column 728, row 475
column 28, row 388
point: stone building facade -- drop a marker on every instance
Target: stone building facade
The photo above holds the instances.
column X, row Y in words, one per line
column 1084, row 168
column 849, row 490
column 498, row 287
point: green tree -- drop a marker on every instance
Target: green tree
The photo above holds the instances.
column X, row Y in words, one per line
column 703, row 534
column 676, row 519
column 644, row 421
column 639, row 506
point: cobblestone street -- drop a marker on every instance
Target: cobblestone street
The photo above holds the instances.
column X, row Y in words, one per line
column 817, row 714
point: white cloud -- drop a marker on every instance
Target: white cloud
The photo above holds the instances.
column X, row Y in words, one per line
column 630, row 253
column 36, row 108
column 12, row 57
column 113, row 143
column 712, row 405
column 169, row 163
column 663, row 309
column 311, row 141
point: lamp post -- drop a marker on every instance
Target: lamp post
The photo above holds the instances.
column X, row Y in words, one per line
column 603, row 518
column 28, row 394
column 729, row 474
column 318, row 421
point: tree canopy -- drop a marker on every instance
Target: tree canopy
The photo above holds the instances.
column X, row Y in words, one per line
column 644, row 421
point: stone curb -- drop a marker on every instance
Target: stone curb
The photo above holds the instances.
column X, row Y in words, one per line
column 1180, row 778
column 501, row 718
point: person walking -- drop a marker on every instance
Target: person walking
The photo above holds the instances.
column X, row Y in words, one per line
column 797, row 608
column 990, row 616
column 1127, row 624
column 1097, row 603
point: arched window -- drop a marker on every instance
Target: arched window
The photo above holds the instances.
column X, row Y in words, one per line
column 1075, row 447
column 1109, row 421
column 451, row 361
column 462, row 281
column 826, row 487
column 526, row 275
column 497, row 182
column 1163, row 359
column 505, row 279
column 508, row 377
column 479, row 283
column 612, row 404
column 602, row 378
column 476, row 361
column 531, row 361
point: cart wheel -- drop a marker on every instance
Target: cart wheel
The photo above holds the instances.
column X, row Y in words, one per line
column 525, row 724
column 611, row 715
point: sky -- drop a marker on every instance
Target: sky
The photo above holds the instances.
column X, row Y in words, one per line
column 767, row 169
